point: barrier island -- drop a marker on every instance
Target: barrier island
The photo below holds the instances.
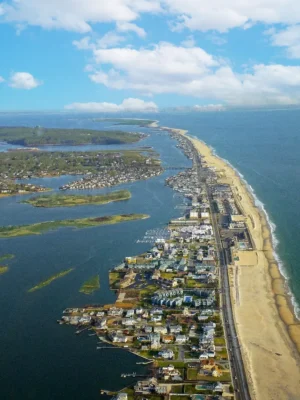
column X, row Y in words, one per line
column 42, row 227
column 60, row 200
column 91, row 285
column 50, row 280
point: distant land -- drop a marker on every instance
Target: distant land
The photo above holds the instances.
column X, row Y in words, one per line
column 60, row 200
column 42, row 227
column 39, row 136
column 126, row 121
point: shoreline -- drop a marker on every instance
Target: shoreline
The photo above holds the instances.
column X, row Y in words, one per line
column 266, row 285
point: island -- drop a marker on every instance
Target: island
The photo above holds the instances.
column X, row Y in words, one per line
column 42, row 227
column 91, row 285
column 3, row 269
column 60, row 200
column 39, row 136
column 6, row 257
column 50, row 280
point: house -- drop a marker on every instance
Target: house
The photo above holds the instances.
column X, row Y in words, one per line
column 203, row 356
column 181, row 339
column 146, row 386
column 130, row 313
column 155, row 341
column 175, row 328
column 166, row 354
column 118, row 337
column 167, row 338
column 128, row 321
column 115, row 312
column 148, row 329
column 160, row 329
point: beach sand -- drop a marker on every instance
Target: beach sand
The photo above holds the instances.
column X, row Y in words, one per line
column 268, row 331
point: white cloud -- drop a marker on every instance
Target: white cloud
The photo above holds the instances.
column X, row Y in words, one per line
column 151, row 70
column 23, row 80
column 203, row 15
column 110, row 39
column 220, row 15
column 209, row 107
column 84, row 43
column 2, row 79
column 189, row 42
column 166, row 68
column 289, row 38
column 130, row 104
column 130, row 27
column 75, row 15
column 216, row 39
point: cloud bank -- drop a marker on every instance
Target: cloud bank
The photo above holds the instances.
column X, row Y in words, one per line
column 128, row 105
column 191, row 71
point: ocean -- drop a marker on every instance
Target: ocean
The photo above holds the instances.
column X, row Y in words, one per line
column 40, row 359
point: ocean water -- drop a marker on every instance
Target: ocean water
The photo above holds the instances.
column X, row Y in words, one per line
column 40, row 359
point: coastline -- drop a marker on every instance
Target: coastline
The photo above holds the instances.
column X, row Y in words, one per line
column 267, row 326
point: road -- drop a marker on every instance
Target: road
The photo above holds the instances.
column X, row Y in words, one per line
column 235, row 357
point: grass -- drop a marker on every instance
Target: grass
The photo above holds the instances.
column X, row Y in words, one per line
column 6, row 257
column 91, row 285
column 3, row 269
column 42, row 227
column 60, row 200
column 177, row 364
column 219, row 341
column 50, row 280
column 192, row 374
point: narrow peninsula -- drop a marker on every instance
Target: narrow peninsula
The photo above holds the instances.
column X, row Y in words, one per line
column 50, row 280
column 60, row 200
column 42, row 227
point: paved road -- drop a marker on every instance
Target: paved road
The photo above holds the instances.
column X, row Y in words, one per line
column 236, row 362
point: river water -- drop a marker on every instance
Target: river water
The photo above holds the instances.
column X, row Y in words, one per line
column 39, row 358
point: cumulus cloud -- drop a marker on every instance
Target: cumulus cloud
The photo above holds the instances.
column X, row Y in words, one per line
column 289, row 38
column 23, row 80
column 75, row 15
column 209, row 107
column 1, row 79
column 189, row 42
column 130, row 27
column 166, row 68
column 130, row 104
column 223, row 15
column 203, row 15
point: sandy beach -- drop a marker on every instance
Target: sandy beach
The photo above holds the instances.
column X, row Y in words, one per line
column 268, row 331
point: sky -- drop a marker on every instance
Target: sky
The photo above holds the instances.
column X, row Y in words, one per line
column 145, row 55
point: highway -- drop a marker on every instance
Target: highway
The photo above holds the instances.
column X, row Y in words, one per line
column 239, row 379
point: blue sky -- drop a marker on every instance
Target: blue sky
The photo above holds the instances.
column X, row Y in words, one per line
column 141, row 55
